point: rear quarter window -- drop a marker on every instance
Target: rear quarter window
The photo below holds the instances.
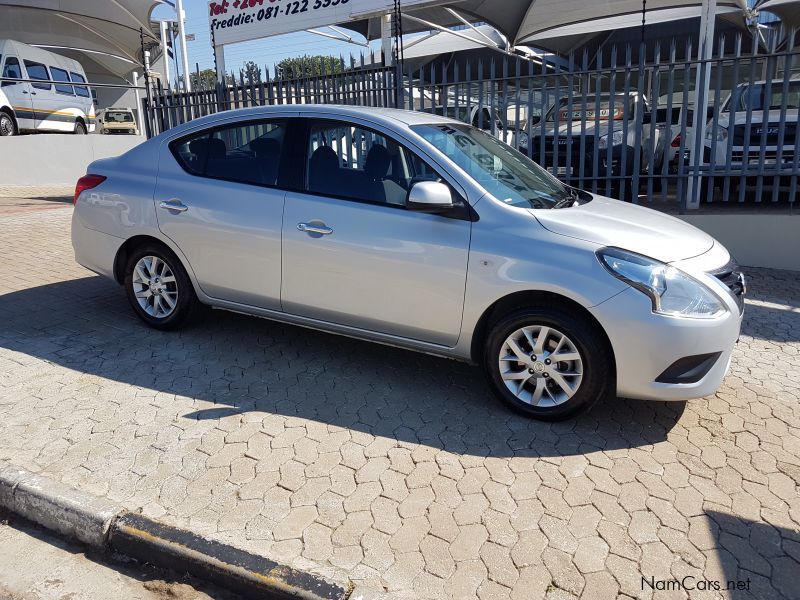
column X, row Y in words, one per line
column 80, row 90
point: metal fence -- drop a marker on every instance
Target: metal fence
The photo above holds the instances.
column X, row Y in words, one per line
column 619, row 122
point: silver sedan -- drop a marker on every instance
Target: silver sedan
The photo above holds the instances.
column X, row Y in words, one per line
column 417, row 231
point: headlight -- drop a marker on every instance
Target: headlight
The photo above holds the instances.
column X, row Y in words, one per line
column 671, row 291
column 722, row 134
column 616, row 139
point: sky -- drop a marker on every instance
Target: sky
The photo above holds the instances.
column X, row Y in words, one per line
column 264, row 52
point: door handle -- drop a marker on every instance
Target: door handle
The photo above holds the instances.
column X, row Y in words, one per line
column 24, row 91
column 175, row 205
column 310, row 228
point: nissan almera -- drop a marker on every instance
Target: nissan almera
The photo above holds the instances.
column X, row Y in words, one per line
column 421, row 232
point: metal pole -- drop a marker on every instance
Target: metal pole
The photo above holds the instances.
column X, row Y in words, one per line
column 184, row 53
column 162, row 27
column 138, row 103
column 704, row 53
column 386, row 40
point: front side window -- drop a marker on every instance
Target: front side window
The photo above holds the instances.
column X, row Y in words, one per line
column 508, row 175
column 61, row 75
column 357, row 163
column 81, row 90
column 38, row 71
column 245, row 153
column 763, row 97
column 12, row 69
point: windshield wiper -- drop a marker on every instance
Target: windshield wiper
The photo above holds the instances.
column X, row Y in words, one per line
column 569, row 200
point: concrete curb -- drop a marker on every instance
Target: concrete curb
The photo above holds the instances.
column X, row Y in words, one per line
column 107, row 527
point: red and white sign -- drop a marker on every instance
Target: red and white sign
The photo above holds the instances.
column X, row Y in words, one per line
column 240, row 20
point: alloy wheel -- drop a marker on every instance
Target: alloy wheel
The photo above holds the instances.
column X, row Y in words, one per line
column 155, row 287
column 540, row 365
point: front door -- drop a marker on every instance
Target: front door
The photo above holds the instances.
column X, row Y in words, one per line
column 18, row 93
column 219, row 198
column 354, row 255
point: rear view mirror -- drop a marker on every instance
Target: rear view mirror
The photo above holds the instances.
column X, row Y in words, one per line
column 429, row 197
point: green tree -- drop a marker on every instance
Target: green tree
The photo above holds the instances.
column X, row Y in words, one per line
column 252, row 72
column 206, row 81
column 308, row 66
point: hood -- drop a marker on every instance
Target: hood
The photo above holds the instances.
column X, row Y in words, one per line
column 613, row 223
column 602, row 128
column 759, row 117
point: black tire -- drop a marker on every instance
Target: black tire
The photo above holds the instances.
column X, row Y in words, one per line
column 186, row 305
column 597, row 371
column 80, row 128
column 7, row 125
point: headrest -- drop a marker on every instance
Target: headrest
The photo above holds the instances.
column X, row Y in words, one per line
column 265, row 147
column 378, row 161
column 211, row 147
column 324, row 159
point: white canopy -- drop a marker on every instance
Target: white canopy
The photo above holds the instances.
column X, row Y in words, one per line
column 787, row 10
column 557, row 24
column 104, row 33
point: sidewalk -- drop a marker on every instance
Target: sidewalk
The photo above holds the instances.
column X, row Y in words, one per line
column 377, row 466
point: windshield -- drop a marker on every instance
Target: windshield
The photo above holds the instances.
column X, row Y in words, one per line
column 506, row 174
column 119, row 116
column 589, row 109
column 761, row 97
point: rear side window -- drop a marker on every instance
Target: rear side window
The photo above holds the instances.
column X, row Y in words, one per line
column 61, row 75
column 81, row 90
column 245, row 153
column 38, row 71
column 12, row 69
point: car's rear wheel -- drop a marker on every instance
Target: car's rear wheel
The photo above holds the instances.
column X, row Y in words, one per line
column 7, row 125
column 158, row 287
column 547, row 362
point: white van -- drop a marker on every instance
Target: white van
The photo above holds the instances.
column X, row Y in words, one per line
column 29, row 106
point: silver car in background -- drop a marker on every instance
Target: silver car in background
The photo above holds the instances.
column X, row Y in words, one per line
column 416, row 231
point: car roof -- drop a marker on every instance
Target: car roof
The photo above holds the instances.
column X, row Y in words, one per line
column 386, row 116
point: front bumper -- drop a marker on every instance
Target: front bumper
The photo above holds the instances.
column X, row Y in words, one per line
column 646, row 344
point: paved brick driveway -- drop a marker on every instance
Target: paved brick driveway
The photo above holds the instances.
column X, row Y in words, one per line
column 393, row 469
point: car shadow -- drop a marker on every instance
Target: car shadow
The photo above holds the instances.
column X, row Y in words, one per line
column 772, row 308
column 237, row 364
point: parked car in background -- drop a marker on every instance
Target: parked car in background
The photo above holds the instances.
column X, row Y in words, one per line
column 677, row 146
column 444, row 240
column 65, row 105
column 115, row 120
column 596, row 140
column 751, row 129
column 477, row 116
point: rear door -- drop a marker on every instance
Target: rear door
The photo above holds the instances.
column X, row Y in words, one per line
column 219, row 197
column 18, row 93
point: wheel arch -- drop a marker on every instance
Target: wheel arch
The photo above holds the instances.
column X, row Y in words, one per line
column 132, row 244
column 525, row 299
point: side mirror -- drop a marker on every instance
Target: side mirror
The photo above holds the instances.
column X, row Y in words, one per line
column 535, row 119
column 429, row 197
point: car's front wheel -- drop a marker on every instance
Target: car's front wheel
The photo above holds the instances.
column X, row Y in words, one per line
column 159, row 288
column 547, row 362
column 7, row 125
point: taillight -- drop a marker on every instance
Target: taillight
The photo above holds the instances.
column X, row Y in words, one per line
column 676, row 143
column 87, row 182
